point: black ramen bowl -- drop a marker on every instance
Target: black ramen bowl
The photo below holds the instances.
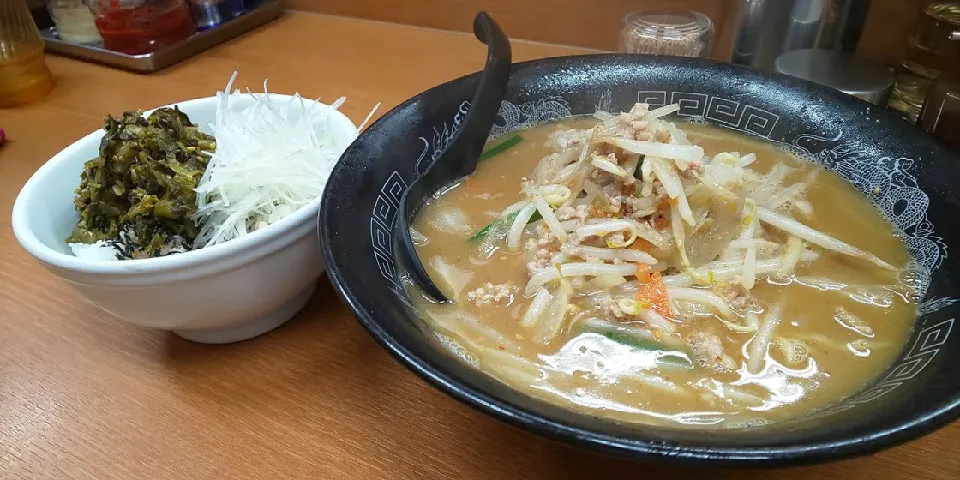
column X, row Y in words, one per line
column 908, row 176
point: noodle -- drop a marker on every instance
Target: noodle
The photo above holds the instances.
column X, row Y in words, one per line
column 634, row 276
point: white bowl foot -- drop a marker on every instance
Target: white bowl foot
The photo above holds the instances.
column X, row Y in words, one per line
column 253, row 328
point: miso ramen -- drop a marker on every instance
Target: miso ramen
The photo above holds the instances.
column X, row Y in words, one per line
column 628, row 267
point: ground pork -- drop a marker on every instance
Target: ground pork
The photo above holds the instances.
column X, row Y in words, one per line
column 708, row 352
column 570, row 138
column 492, row 293
column 569, row 212
column 636, row 207
column 613, row 203
column 739, row 298
column 610, row 308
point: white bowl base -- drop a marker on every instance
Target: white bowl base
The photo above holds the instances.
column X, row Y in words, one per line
column 253, row 328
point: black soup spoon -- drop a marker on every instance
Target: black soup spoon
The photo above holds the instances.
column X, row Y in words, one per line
column 460, row 157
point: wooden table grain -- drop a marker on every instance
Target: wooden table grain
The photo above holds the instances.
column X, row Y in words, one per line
column 85, row 395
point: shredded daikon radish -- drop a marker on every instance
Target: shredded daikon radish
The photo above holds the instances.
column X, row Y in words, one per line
column 605, row 227
column 704, row 297
column 673, row 185
column 761, row 341
column 514, row 367
column 550, row 219
column 608, row 166
column 786, row 195
column 536, row 308
column 676, row 226
column 791, row 256
column 594, row 269
column 454, row 280
column 607, row 281
column 608, row 254
column 771, row 183
column 688, row 153
column 629, row 167
column 657, row 321
column 723, row 271
column 663, row 111
column 747, row 159
column 540, row 279
column 794, row 227
column 749, row 277
column 551, row 321
column 758, row 243
column 716, row 187
column 516, row 228
column 273, row 156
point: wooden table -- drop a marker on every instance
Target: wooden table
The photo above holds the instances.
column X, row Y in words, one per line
column 85, row 395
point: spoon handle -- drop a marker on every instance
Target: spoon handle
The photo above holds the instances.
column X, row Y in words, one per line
column 460, row 157
column 469, row 142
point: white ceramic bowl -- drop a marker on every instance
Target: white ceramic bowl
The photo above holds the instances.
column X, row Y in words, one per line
column 221, row 294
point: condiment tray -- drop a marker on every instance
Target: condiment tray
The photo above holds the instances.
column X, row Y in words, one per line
column 267, row 11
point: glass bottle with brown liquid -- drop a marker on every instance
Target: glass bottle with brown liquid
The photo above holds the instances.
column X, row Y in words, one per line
column 24, row 76
column 934, row 42
column 940, row 115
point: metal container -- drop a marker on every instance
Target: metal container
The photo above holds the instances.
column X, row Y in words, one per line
column 843, row 71
column 767, row 29
column 210, row 13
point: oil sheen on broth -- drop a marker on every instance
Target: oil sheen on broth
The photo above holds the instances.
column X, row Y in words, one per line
column 758, row 321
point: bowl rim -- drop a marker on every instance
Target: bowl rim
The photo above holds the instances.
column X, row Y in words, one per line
column 29, row 241
column 920, row 423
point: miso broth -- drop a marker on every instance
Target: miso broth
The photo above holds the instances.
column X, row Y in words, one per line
column 641, row 302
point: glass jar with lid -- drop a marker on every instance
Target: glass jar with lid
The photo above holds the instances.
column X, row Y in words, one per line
column 137, row 27
column 675, row 32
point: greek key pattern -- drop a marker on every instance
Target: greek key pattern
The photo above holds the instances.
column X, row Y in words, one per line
column 730, row 113
column 385, row 209
column 925, row 347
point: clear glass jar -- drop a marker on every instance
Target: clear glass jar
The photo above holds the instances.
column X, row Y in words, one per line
column 682, row 33
column 74, row 21
column 934, row 43
column 24, row 76
column 137, row 27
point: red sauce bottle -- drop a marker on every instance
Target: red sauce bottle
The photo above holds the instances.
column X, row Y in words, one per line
column 136, row 27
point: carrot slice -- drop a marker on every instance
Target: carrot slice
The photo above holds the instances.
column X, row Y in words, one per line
column 660, row 223
column 654, row 293
column 642, row 245
column 643, row 273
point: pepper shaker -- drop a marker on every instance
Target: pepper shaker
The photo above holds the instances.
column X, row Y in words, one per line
column 681, row 33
